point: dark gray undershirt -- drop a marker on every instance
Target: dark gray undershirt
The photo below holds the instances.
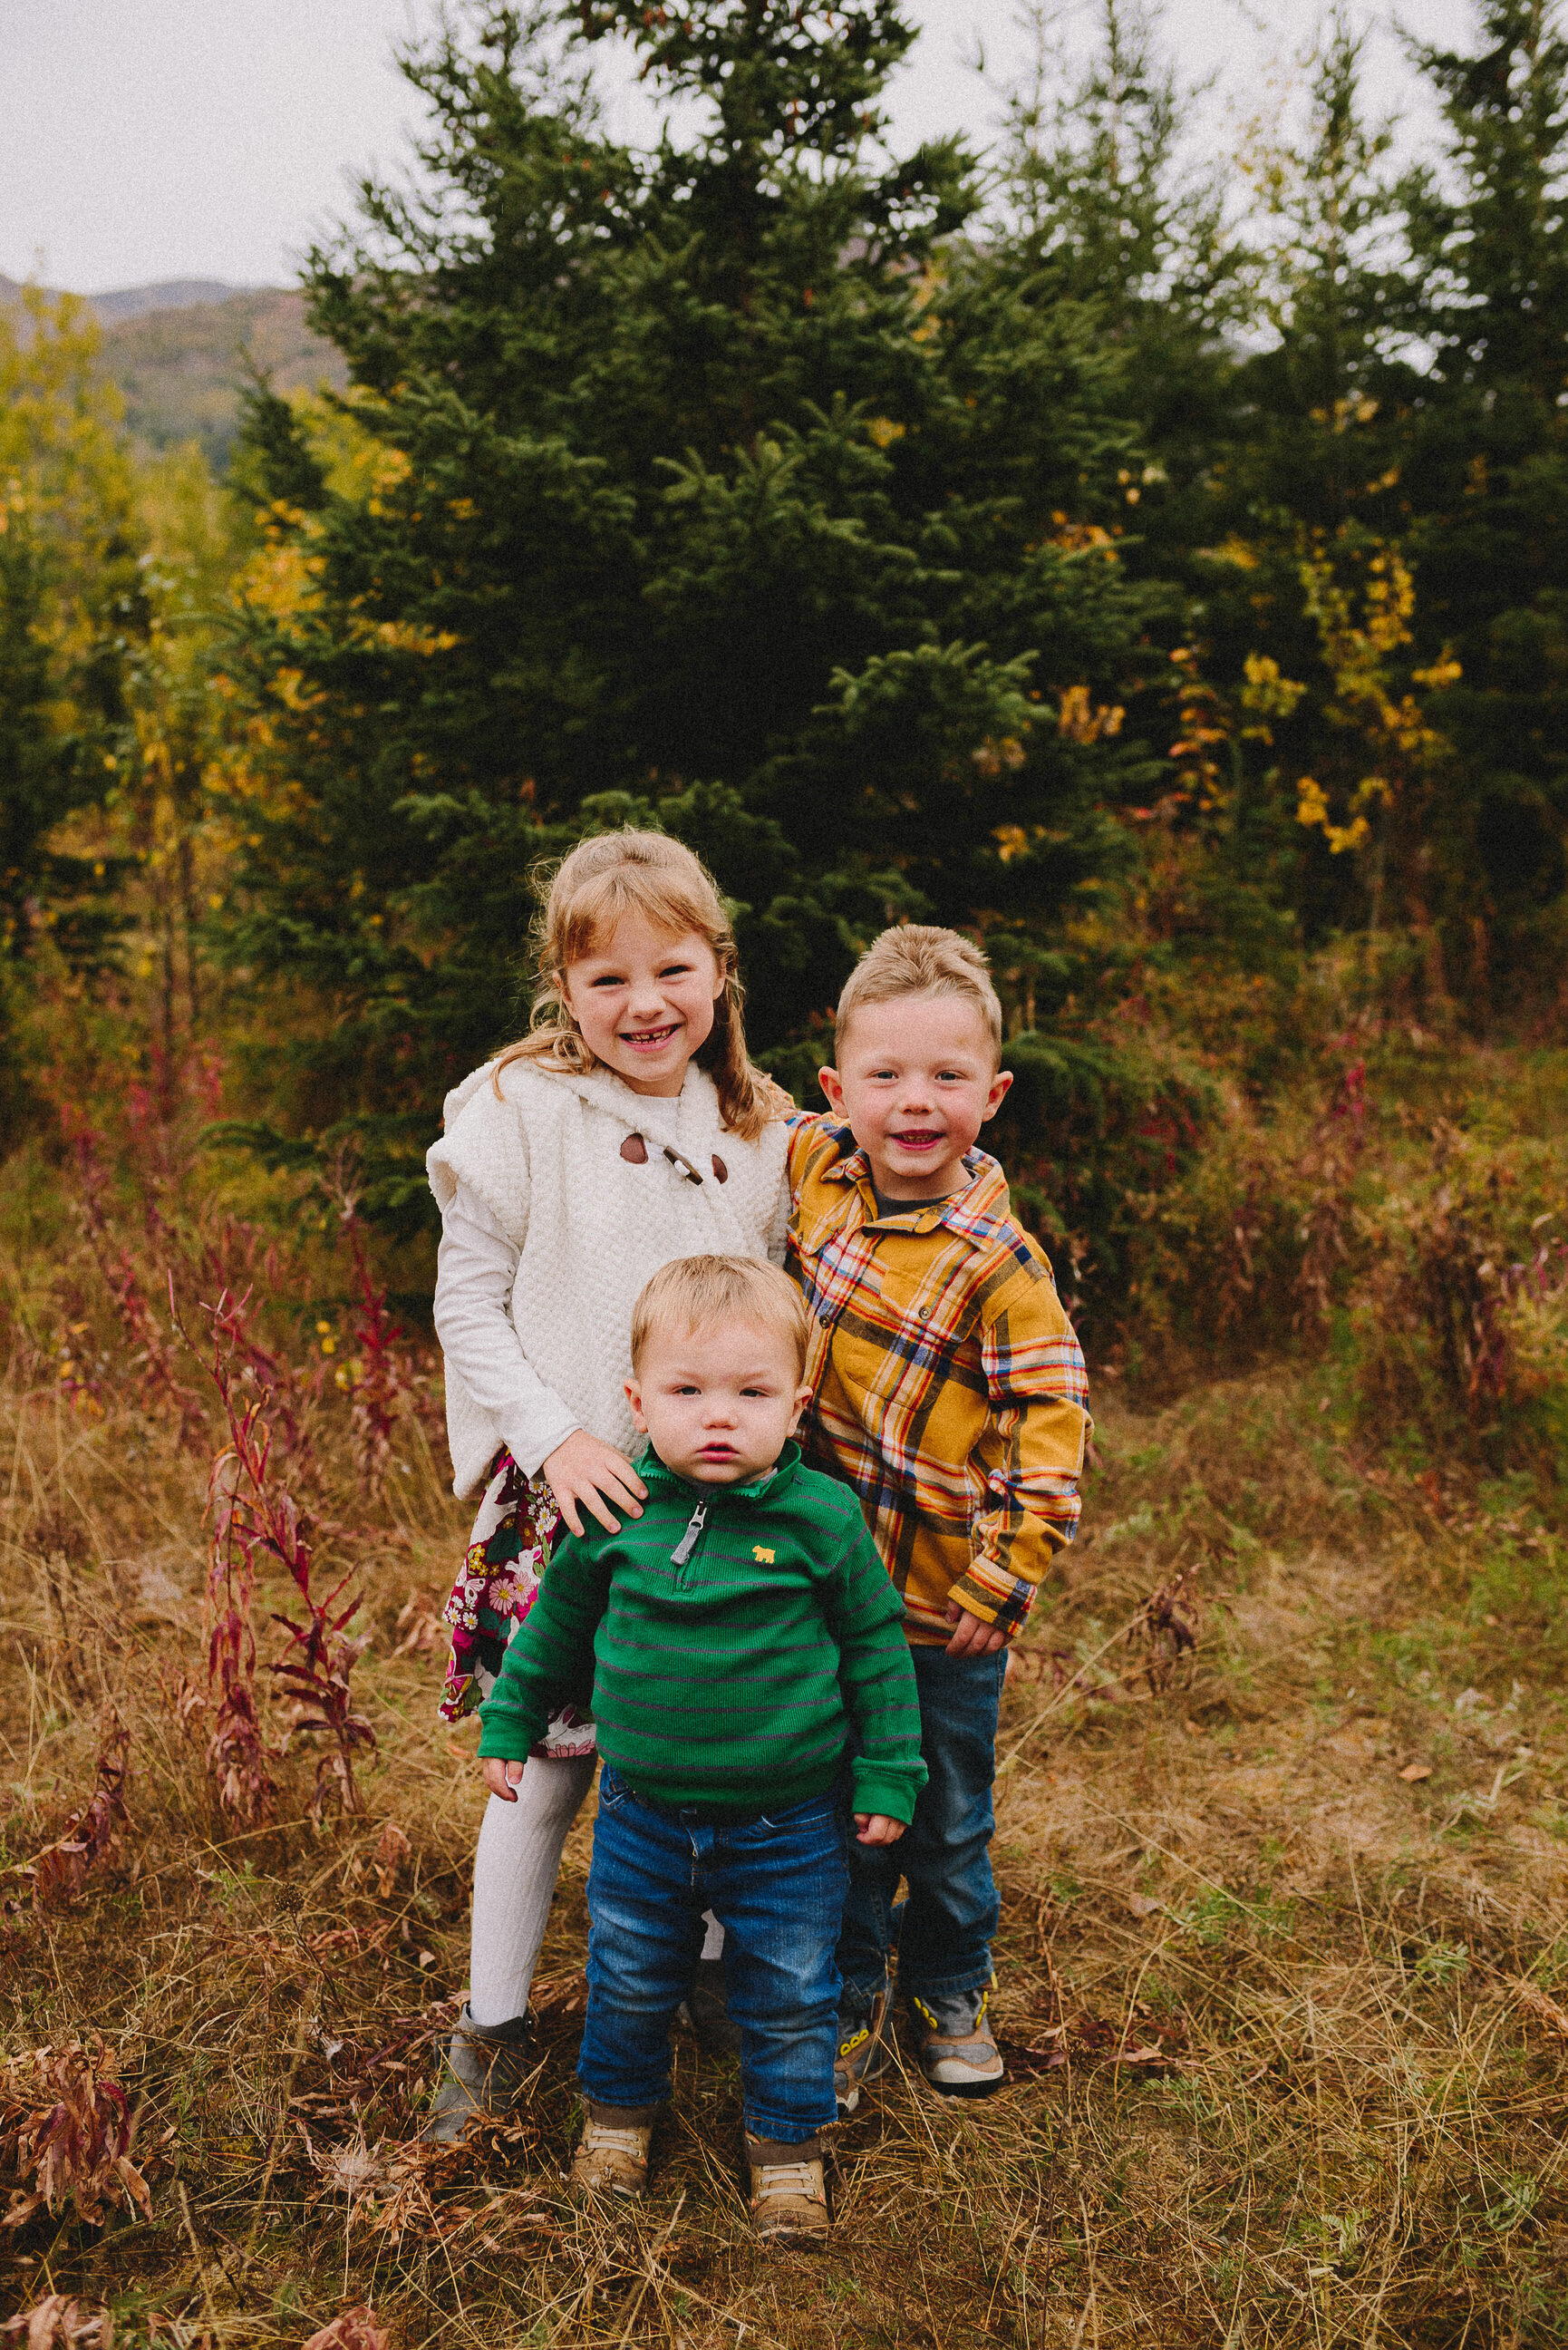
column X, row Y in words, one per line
column 886, row 1207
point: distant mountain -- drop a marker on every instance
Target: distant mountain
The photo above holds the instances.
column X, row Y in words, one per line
column 135, row 301
column 181, row 371
column 178, row 352
column 169, row 294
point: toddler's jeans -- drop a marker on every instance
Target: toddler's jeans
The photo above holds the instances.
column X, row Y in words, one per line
column 777, row 1885
column 946, row 1924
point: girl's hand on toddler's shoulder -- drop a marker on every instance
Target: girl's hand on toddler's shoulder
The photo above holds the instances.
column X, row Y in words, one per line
column 876, row 1827
column 501, row 1777
column 586, row 1473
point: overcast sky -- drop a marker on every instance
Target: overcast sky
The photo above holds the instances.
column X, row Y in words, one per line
column 153, row 138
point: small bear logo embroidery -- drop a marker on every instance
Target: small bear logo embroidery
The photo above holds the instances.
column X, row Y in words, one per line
column 765, row 1557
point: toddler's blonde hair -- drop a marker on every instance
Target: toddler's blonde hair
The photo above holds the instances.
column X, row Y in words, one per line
column 914, row 959
column 582, row 898
column 692, row 1292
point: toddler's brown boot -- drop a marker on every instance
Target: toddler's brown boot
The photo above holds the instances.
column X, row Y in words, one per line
column 612, row 2154
column 789, row 2195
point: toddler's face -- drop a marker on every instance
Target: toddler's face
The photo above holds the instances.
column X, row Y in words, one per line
column 644, row 1002
column 718, row 1401
column 917, row 1079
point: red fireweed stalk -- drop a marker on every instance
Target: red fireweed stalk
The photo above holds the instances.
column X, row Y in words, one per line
column 258, row 1365
column 237, row 1751
column 61, row 1872
column 379, row 1374
column 159, row 1391
column 65, row 2125
column 259, row 1517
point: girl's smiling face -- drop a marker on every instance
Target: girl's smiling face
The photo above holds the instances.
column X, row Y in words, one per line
column 644, row 1002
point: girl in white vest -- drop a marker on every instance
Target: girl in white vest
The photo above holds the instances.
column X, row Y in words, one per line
column 628, row 1127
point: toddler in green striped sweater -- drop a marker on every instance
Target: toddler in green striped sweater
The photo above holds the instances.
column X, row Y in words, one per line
column 752, row 1686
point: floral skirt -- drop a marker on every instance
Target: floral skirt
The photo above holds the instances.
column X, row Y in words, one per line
column 498, row 1582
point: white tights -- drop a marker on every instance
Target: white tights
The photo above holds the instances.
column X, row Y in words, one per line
column 515, row 1873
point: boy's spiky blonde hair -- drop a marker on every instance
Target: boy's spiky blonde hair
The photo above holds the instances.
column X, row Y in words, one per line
column 691, row 1292
column 916, row 960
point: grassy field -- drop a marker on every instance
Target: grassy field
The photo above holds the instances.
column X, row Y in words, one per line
column 1280, row 1967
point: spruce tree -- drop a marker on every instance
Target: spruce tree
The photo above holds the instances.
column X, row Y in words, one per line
column 722, row 485
column 1329, row 395
column 1305, row 487
column 1108, row 209
column 1487, row 473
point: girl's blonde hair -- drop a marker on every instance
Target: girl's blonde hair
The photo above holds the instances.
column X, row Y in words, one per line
column 581, row 900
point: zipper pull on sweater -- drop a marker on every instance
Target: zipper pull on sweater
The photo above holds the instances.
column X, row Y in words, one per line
column 687, row 1542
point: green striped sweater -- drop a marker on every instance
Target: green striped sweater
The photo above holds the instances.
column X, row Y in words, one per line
column 740, row 1637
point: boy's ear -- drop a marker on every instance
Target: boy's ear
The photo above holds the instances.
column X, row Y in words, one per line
column 802, row 1398
column 995, row 1098
column 634, row 1398
column 833, row 1087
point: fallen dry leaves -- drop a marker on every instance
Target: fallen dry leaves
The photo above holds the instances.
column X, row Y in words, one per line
column 1540, row 2009
column 352, row 2329
column 66, row 2123
column 60, row 2322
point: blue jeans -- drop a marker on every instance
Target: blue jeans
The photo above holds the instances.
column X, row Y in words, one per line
column 777, row 1888
column 946, row 1923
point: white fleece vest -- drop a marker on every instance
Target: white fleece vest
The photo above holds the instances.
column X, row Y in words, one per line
column 590, row 1224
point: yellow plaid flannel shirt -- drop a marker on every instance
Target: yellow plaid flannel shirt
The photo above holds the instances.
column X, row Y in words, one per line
column 947, row 1385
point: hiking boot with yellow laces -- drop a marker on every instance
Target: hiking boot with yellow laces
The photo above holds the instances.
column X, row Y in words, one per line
column 612, row 2154
column 957, row 2051
column 789, row 2196
column 862, row 2053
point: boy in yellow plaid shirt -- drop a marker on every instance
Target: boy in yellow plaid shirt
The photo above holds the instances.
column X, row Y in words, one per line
column 949, row 1391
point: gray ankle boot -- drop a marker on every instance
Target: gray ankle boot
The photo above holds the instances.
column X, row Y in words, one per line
column 485, row 2066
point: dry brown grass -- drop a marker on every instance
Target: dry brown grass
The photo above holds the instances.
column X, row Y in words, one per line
column 1280, row 1966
